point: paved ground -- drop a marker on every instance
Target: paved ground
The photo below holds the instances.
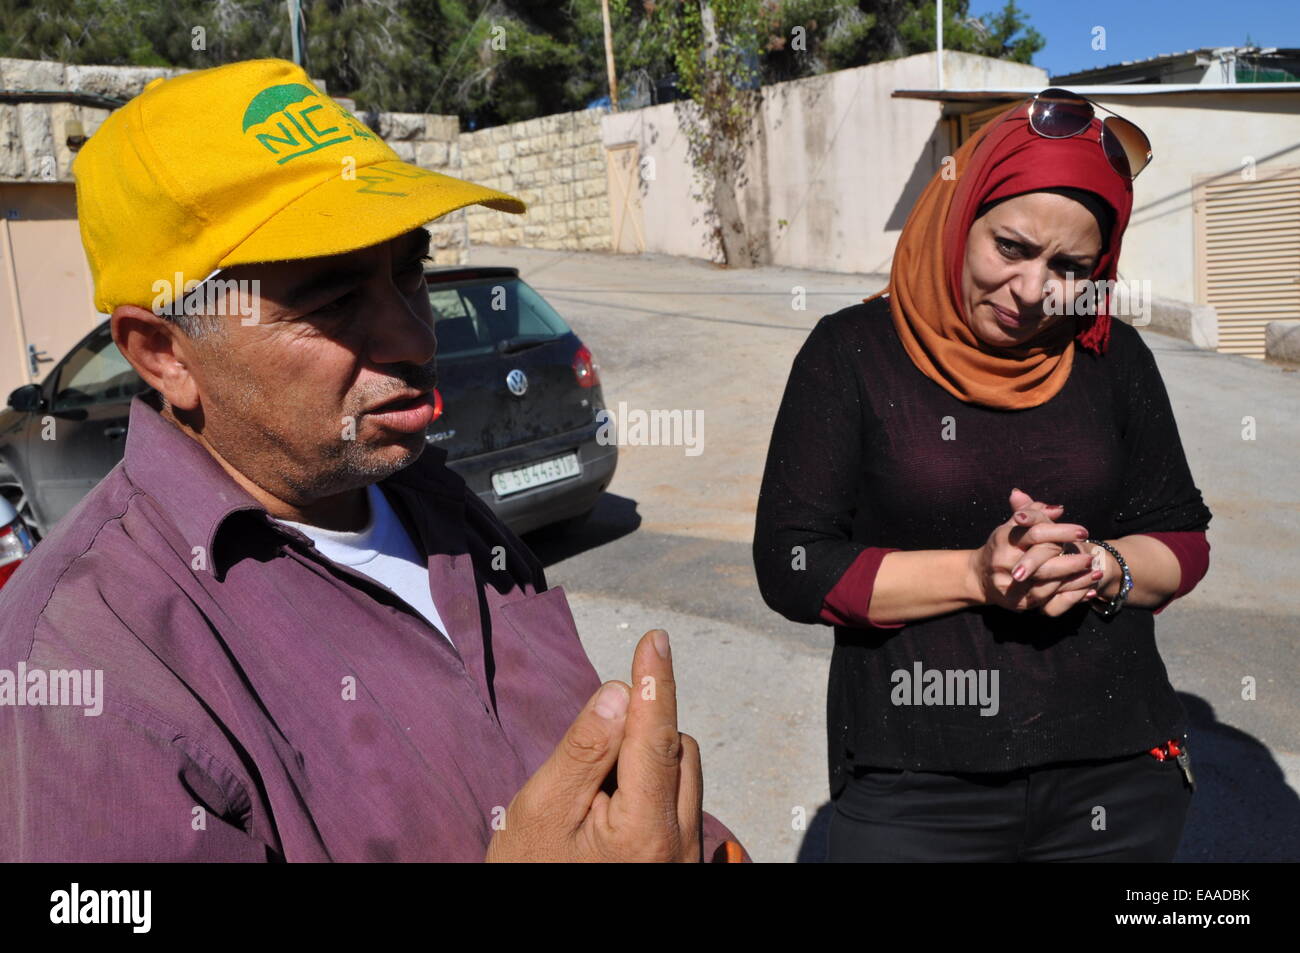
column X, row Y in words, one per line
column 669, row 547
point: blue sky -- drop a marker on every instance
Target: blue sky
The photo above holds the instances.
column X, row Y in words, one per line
column 1136, row 29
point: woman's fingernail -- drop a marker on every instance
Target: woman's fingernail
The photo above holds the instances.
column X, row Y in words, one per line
column 1091, row 593
column 1019, row 573
column 1097, row 574
column 612, row 700
column 1022, row 516
column 661, row 643
column 1082, row 534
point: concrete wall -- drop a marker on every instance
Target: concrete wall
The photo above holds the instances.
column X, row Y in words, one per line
column 556, row 166
column 840, row 163
column 673, row 219
column 1197, row 323
column 835, row 168
column 1282, row 341
column 846, row 161
column 1195, row 135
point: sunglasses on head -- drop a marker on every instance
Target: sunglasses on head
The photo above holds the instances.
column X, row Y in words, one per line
column 1059, row 114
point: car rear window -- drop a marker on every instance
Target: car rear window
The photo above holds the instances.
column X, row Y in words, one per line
column 483, row 315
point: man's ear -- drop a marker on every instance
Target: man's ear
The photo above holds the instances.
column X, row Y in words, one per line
column 159, row 351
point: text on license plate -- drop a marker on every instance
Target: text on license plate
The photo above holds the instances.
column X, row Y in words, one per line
column 535, row 474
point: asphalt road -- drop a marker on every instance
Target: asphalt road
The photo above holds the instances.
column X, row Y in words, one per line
column 669, row 546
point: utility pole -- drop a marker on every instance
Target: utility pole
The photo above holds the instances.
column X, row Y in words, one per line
column 296, row 30
column 609, row 57
column 938, row 39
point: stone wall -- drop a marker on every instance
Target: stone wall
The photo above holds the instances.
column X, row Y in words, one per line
column 556, row 166
column 431, row 142
column 34, row 135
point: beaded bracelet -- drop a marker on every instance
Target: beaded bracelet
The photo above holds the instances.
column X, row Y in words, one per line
column 1108, row 609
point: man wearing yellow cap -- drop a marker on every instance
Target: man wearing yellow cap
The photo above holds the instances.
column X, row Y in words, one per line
column 313, row 642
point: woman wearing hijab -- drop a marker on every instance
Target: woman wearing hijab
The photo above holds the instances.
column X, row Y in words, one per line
column 995, row 690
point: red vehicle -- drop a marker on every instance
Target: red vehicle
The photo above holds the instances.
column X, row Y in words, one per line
column 15, row 540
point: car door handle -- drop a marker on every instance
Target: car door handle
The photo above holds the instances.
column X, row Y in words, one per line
column 115, row 431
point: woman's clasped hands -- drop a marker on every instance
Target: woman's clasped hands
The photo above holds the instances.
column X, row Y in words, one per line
column 1032, row 562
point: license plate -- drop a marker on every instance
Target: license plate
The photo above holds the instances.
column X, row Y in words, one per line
column 536, row 474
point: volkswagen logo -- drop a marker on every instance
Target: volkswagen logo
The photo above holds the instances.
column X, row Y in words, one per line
column 517, row 381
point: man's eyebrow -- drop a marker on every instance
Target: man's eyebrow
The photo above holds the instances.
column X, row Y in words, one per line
column 319, row 285
column 417, row 242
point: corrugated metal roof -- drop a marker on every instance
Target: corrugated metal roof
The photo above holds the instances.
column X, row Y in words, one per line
column 1159, row 57
column 1097, row 91
column 1240, row 51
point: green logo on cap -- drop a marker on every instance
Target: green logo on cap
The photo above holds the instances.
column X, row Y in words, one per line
column 289, row 129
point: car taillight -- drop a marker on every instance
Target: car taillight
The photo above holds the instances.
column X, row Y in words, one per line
column 586, row 369
column 15, row 544
column 437, row 403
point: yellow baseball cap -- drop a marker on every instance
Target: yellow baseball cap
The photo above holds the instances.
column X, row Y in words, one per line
column 243, row 163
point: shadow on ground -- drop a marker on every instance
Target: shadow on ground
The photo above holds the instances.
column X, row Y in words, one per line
column 612, row 518
column 1243, row 809
column 813, row 848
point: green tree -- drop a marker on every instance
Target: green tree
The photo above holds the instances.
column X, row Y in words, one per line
column 716, row 47
column 1003, row 35
column 493, row 61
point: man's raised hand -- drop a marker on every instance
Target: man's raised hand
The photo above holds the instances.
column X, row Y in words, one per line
column 655, row 813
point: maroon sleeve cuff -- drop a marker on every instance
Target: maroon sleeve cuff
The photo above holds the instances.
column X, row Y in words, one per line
column 847, row 602
column 1193, row 552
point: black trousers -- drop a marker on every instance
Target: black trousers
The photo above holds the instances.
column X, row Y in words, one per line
column 1116, row 810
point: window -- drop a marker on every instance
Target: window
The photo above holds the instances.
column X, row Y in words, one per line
column 478, row 316
column 95, row 373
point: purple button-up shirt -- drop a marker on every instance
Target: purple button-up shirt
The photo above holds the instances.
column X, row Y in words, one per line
column 259, row 701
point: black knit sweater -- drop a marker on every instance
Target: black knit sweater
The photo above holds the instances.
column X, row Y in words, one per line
column 869, row 452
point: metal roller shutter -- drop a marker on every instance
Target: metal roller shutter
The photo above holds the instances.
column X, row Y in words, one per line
column 1248, row 254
